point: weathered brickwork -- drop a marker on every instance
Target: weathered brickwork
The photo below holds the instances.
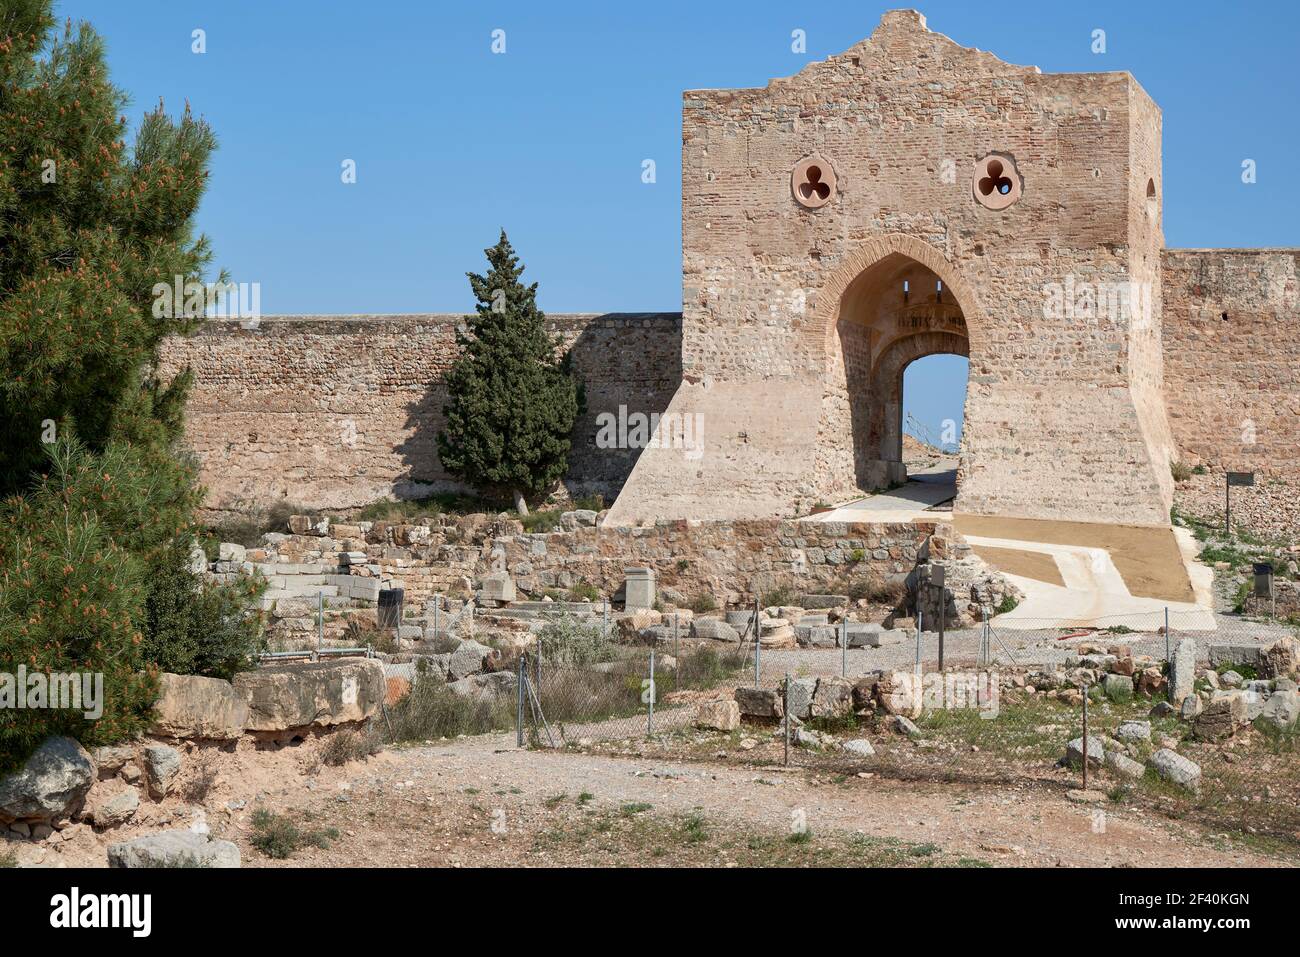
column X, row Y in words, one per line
column 769, row 284
column 1096, row 356
column 337, row 412
column 1232, row 358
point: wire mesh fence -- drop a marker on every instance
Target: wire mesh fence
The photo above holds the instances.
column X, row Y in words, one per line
column 1118, row 708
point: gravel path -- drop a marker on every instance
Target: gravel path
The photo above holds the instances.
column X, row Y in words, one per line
column 458, row 790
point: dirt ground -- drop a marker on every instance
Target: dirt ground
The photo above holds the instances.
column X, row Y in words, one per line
column 1036, row 565
column 482, row 802
column 1147, row 558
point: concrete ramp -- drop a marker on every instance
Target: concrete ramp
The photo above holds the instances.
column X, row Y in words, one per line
column 755, row 454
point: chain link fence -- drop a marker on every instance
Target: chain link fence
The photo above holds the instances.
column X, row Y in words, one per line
column 1115, row 708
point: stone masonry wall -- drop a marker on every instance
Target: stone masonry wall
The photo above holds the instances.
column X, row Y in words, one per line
column 902, row 119
column 1232, row 358
column 336, row 412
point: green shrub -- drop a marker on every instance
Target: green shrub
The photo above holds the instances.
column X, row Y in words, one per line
column 278, row 837
column 703, row 603
column 195, row 627
column 1180, row 471
column 1008, row 603
column 584, row 591
column 570, row 641
column 344, row 746
column 781, row 595
column 432, row 710
column 542, row 520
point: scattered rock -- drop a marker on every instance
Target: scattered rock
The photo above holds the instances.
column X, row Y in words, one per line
column 115, row 809
column 799, row 696
column 1123, row 765
column 173, row 849
column 1096, row 752
column 718, row 715
column 161, row 766
column 901, row 724
column 1279, row 660
column 714, row 629
column 759, row 702
column 834, row 696
column 52, row 783
column 1183, row 670
column 1134, row 731
column 1173, row 767
column 861, row 747
column 487, row 687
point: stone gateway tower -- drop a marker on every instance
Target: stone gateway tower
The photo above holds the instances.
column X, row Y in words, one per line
column 909, row 197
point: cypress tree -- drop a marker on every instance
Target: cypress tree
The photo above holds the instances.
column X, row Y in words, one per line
column 513, row 395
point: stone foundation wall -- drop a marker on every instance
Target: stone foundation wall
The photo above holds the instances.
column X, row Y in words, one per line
column 337, row 412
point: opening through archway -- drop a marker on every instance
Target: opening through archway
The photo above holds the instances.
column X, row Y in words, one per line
column 892, row 318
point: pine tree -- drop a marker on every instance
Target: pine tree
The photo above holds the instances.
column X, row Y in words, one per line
column 513, row 395
column 98, row 498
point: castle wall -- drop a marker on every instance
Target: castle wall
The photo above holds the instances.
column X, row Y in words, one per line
column 1232, row 358
column 337, row 412
column 1062, row 414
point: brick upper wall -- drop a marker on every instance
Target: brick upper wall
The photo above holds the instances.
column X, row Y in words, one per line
column 338, row 411
column 1231, row 342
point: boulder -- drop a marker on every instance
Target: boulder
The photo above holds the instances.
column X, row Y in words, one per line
column 1221, row 718
column 173, row 849
column 115, row 808
column 834, row 696
column 799, row 695
column 1191, row 707
column 632, row 624
column 486, row 687
column 468, row 659
column 1074, row 752
column 901, row 724
column 718, row 715
column 1152, row 683
column 1183, row 670
column 190, row 706
column 899, row 692
column 578, row 518
column 51, row 784
column 1231, row 679
column 864, row 692
column 759, row 702
column 497, row 587
column 1281, row 710
column 1279, row 660
column 1123, row 766
column 714, row 629
column 1235, row 655
column 109, row 759
column 1132, row 731
column 860, row 747
column 162, row 764
column 311, row 694
column 1118, row 687
column 1173, row 767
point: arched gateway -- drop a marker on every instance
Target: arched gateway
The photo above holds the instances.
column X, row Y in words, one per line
column 905, row 198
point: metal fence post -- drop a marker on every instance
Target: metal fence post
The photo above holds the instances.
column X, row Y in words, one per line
column 919, row 624
column 320, row 624
column 757, row 646
column 519, row 702
column 650, row 712
column 844, row 647
column 1167, row 645
column 785, row 710
column 1085, row 737
column 676, row 655
column 537, row 667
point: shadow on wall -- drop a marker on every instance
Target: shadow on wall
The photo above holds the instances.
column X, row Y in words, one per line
column 630, row 364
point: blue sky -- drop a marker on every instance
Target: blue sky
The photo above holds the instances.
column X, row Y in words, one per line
column 452, row 142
